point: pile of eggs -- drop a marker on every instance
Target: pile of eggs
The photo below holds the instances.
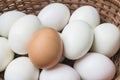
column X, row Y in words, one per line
column 53, row 35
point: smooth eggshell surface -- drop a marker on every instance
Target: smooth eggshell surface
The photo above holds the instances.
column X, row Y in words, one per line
column 59, row 72
column 6, row 54
column 107, row 39
column 21, row 33
column 21, row 69
column 62, row 57
column 7, row 19
column 95, row 66
column 88, row 14
column 45, row 49
column 77, row 37
column 55, row 15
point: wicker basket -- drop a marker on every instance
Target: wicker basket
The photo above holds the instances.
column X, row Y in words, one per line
column 109, row 11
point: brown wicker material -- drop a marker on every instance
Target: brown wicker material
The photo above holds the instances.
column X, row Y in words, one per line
column 109, row 11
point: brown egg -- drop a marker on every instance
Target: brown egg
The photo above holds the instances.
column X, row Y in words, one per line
column 45, row 49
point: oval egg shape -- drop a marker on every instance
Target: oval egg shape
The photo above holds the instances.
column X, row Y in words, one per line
column 95, row 66
column 107, row 39
column 21, row 33
column 21, row 68
column 59, row 72
column 88, row 14
column 77, row 37
column 6, row 54
column 7, row 19
column 55, row 15
column 45, row 49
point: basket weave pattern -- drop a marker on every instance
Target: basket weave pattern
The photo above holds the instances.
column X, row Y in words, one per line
column 109, row 11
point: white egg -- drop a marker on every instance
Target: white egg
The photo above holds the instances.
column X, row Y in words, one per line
column 107, row 39
column 62, row 57
column 55, row 15
column 6, row 54
column 59, row 72
column 21, row 33
column 77, row 37
column 88, row 14
column 21, row 69
column 7, row 19
column 95, row 66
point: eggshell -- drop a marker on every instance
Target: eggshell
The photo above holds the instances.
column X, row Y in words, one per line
column 6, row 54
column 88, row 14
column 21, row 33
column 21, row 69
column 55, row 15
column 77, row 37
column 7, row 19
column 107, row 39
column 45, row 49
column 95, row 66
column 62, row 57
column 59, row 72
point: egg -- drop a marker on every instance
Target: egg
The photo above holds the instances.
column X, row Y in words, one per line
column 59, row 72
column 45, row 48
column 21, row 33
column 77, row 37
column 107, row 39
column 7, row 19
column 21, row 69
column 62, row 57
column 88, row 14
column 55, row 15
column 6, row 54
column 95, row 66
